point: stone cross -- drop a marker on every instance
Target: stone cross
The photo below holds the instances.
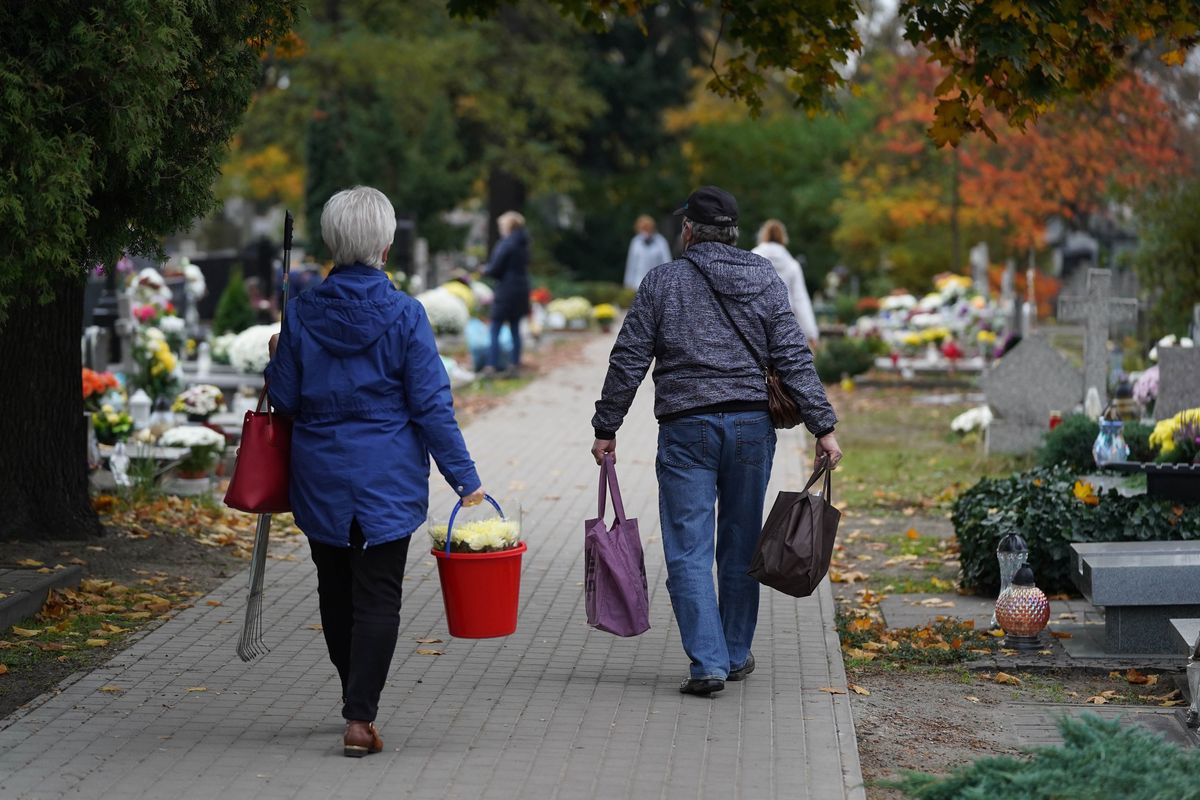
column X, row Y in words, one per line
column 979, row 268
column 1099, row 310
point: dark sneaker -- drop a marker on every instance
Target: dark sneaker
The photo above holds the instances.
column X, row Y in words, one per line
column 701, row 687
column 741, row 672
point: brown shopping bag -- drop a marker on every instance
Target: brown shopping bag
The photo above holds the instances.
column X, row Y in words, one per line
column 796, row 545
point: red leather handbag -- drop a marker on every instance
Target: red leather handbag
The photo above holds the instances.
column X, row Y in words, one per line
column 262, row 471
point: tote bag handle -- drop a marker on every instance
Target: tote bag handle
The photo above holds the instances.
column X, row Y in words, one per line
column 608, row 475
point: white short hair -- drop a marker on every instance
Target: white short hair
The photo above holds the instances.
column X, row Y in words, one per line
column 358, row 225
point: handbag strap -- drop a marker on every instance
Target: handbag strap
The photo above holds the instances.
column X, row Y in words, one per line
column 608, row 479
column 729, row 317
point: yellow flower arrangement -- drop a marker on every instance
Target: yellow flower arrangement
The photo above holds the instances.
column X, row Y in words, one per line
column 462, row 292
column 956, row 281
column 1163, row 437
column 986, row 337
column 605, row 312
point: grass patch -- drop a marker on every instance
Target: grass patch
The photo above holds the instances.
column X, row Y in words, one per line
column 911, row 585
column 78, row 627
column 865, row 640
column 898, row 454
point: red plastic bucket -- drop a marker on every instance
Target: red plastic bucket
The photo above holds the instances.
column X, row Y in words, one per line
column 481, row 591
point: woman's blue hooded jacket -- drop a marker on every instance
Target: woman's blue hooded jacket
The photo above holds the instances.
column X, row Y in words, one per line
column 358, row 368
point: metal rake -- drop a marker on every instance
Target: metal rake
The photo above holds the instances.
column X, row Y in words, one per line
column 251, row 645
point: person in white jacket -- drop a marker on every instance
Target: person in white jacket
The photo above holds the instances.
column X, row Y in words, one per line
column 648, row 249
column 772, row 245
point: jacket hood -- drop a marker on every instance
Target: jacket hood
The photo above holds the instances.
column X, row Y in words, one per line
column 350, row 310
column 734, row 273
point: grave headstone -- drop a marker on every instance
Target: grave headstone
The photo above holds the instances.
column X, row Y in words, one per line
column 979, row 268
column 1098, row 310
column 1178, row 380
column 1196, row 323
column 1022, row 389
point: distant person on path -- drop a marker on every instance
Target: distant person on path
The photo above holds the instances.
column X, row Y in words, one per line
column 648, row 249
column 357, row 366
column 509, row 268
column 716, row 441
column 772, row 245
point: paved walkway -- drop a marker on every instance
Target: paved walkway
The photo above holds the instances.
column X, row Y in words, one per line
column 556, row 711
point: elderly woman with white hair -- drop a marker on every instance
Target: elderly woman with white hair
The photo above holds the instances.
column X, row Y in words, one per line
column 357, row 366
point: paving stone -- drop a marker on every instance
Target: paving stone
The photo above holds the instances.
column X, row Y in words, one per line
column 557, row 710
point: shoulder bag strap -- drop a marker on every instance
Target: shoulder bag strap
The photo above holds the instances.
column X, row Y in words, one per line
column 716, row 296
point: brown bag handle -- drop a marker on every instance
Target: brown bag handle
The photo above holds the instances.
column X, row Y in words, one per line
column 822, row 469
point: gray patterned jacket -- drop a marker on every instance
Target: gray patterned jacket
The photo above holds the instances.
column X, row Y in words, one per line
column 700, row 365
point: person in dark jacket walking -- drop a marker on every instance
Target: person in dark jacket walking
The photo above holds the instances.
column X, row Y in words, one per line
column 357, row 366
column 716, row 442
column 509, row 268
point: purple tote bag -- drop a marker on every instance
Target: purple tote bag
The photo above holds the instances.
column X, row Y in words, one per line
column 615, row 592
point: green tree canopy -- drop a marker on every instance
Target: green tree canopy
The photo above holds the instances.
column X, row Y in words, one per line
column 114, row 118
column 1017, row 57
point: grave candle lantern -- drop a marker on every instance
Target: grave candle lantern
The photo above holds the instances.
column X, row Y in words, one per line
column 1012, row 553
column 1110, row 445
column 140, row 406
column 1023, row 612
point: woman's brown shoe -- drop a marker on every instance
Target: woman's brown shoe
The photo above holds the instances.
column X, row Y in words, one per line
column 361, row 738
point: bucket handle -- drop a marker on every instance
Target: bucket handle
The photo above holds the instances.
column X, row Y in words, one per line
column 458, row 507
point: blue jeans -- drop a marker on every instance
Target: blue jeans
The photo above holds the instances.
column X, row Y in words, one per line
column 515, row 327
column 721, row 460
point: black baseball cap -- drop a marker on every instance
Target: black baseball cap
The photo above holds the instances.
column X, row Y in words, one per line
column 710, row 205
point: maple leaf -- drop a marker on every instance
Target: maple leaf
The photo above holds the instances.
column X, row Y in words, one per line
column 1009, row 680
column 854, row 687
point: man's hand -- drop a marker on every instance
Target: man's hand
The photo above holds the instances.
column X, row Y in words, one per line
column 828, row 446
column 602, row 446
column 273, row 345
column 474, row 498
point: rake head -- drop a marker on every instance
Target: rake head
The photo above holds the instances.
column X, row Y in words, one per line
column 250, row 645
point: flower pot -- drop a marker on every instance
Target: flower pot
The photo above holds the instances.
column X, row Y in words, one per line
column 201, row 418
column 480, row 591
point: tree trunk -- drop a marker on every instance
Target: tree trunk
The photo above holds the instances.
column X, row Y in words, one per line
column 43, row 437
column 506, row 192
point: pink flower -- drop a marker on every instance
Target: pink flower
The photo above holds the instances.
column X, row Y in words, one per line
column 144, row 314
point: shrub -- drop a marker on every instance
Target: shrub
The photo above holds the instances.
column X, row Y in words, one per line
column 234, row 313
column 1070, row 444
column 845, row 309
column 841, row 356
column 1137, row 436
column 1051, row 510
column 601, row 292
column 1098, row 758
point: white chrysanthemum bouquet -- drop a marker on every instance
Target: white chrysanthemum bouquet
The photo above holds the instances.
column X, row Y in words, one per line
column 479, row 536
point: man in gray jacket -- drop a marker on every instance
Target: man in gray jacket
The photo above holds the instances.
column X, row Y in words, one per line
column 716, row 441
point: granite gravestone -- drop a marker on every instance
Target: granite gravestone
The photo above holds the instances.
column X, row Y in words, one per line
column 1178, row 381
column 1022, row 389
column 1196, row 323
column 1098, row 310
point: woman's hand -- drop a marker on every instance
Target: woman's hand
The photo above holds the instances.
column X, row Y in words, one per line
column 273, row 345
column 474, row 498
